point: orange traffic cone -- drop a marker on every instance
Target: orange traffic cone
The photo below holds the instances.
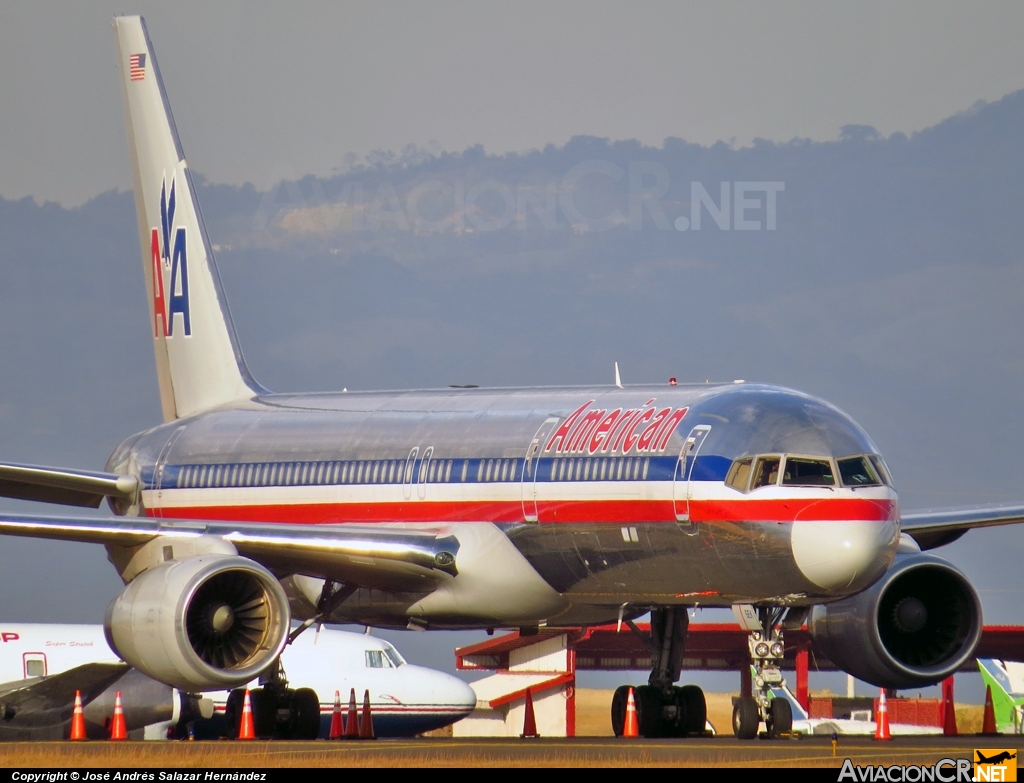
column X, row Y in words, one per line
column 988, row 724
column 630, row 727
column 78, row 719
column 118, row 731
column 336, row 727
column 352, row 719
column 366, row 721
column 530, row 721
column 882, row 718
column 247, row 728
column 948, row 709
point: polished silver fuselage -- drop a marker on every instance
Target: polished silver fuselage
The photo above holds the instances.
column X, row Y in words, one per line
column 612, row 495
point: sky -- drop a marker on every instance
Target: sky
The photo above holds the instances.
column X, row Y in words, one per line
column 264, row 91
column 890, row 286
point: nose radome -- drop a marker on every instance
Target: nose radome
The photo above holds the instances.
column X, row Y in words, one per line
column 445, row 689
column 843, row 555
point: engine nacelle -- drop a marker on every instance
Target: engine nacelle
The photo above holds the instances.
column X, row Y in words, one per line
column 211, row 622
column 914, row 627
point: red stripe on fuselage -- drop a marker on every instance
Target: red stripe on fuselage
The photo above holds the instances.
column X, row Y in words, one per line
column 610, row 511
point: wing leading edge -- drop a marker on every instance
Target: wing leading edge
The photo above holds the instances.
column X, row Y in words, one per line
column 931, row 529
column 369, row 556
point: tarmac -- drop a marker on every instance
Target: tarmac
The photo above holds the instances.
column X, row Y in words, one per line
column 493, row 752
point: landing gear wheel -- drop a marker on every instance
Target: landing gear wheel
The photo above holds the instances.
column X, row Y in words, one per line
column 304, row 723
column 745, row 718
column 780, row 718
column 264, row 712
column 619, row 699
column 695, row 711
column 233, row 712
column 649, row 711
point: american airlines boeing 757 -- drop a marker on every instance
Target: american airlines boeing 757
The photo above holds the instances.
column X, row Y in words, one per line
column 482, row 508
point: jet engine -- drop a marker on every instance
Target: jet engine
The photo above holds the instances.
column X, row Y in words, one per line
column 914, row 627
column 211, row 622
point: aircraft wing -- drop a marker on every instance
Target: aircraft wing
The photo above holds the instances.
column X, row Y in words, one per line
column 931, row 529
column 43, row 701
column 374, row 556
column 60, row 485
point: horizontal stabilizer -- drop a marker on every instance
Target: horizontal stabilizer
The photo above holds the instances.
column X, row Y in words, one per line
column 67, row 487
column 931, row 529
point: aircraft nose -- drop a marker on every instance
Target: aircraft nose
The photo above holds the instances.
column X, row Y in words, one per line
column 446, row 690
column 844, row 555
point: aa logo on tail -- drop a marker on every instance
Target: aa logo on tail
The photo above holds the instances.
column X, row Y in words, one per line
column 169, row 256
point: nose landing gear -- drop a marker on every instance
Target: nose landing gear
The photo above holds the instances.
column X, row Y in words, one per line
column 767, row 649
column 663, row 709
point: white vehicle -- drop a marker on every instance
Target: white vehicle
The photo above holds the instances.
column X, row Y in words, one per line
column 42, row 666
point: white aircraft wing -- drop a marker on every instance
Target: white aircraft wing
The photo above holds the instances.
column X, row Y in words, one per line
column 931, row 529
column 64, row 486
column 372, row 556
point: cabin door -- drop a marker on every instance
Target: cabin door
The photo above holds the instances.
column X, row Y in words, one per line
column 531, row 468
column 682, row 491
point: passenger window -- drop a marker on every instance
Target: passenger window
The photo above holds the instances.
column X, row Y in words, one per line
column 448, row 471
column 35, row 664
column 480, row 471
column 647, row 465
column 618, row 476
column 767, row 472
column 857, row 472
column 465, row 468
column 739, row 474
column 802, row 472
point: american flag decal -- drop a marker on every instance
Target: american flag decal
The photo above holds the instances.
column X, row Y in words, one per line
column 137, row 67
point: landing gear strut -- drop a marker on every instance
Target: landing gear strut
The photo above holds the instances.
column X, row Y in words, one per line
column 766, row 648
column 663, row 709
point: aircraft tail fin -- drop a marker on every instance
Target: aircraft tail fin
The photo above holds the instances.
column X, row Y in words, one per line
column 1007, row 693
column 199, row 362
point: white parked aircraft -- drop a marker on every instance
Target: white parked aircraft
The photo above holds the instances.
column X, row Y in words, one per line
column 42, row 666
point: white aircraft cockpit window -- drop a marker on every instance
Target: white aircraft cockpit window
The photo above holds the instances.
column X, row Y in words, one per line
column 739, row 474
column 805, row 472
column 857, row 472
column 766, row 473
column 393, row 655
column 378, row 659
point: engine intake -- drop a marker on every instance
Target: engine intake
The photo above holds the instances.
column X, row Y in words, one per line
column 202, row 623
column 914, row 627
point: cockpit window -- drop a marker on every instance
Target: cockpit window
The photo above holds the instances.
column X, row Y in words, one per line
column 377, row 659
column 804, row 472
column 881, row 469
column 739, row 474
column 393, row 655
column 766, row 472
column 857, row 472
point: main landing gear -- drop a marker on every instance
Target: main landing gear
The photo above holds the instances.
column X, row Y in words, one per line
column 767, row 648
column 663, row 709
column 278, row 712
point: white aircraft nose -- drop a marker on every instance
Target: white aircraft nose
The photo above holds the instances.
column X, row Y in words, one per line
column 844, row 555
column 443, row 689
